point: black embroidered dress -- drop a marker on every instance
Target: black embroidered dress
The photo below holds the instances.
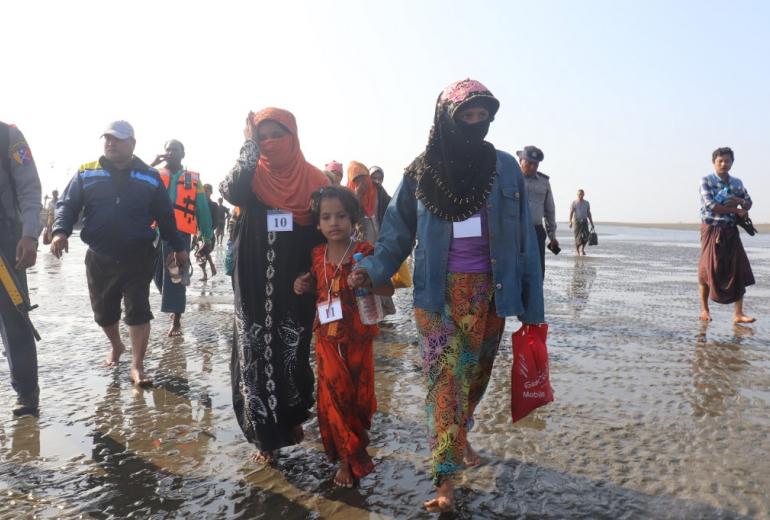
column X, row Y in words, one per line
column 272, row 381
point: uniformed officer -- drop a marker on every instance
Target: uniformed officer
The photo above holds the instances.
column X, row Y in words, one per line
column 541, row 205
column 19, row 229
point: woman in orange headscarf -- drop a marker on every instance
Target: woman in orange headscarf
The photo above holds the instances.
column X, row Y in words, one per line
column 361, row 183
column 272, row 381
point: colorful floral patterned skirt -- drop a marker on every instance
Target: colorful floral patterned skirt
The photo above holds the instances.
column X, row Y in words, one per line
column 458, row 348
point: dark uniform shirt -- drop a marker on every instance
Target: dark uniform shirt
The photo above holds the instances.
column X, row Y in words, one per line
column 20, row 191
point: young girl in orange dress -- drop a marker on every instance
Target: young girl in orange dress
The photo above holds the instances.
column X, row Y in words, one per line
column 344, row 355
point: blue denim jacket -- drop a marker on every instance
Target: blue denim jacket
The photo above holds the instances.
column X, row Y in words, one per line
column 512, row 246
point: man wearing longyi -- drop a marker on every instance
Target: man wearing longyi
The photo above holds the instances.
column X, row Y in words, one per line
column 120, row 197
column 724, row 271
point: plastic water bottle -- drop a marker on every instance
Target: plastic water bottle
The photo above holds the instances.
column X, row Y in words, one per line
column 723, row 195
column 369, row 305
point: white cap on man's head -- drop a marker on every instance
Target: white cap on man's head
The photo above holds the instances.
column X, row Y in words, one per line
column 120, row 130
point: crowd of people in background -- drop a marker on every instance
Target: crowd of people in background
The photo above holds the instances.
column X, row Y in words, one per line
column 302, row 248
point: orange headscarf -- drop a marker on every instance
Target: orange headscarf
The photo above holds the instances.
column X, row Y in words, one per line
column 284, row 179
column 369, row 199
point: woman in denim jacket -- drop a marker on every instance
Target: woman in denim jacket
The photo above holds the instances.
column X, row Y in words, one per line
column 464, row 205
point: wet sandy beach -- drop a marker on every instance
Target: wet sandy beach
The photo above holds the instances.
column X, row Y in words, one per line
column 656, row 415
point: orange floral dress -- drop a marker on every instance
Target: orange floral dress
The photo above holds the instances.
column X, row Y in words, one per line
column 345, row 365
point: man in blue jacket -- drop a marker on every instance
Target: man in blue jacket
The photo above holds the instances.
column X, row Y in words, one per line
column 120, row 197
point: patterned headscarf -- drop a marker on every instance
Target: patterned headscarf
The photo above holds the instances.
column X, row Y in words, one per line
column 455, row 172
column 334, row 167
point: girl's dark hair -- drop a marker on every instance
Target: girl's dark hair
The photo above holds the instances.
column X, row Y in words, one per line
column 341, row 193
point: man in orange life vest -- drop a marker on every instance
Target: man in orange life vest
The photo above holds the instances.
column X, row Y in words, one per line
column 191, row 211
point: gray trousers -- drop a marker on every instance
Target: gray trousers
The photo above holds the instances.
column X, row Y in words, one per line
column 20, row 349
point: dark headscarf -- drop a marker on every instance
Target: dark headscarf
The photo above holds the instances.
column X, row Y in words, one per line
column 455, row 172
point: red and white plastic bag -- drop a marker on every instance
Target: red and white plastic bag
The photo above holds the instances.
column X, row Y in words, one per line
column 530, row 381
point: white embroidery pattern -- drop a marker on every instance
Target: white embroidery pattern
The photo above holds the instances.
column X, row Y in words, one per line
column 291, row 334
column 255, row 350
column 249, row 340
column 272, row 400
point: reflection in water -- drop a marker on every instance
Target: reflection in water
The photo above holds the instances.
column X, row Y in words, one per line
column 181, row 411
column 152, row 446
column 25, row 440
column 583, row 276
column 714, row 369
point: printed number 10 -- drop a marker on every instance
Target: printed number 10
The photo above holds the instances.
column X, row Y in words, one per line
column 280, row 222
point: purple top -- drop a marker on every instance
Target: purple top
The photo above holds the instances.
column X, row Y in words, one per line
column 471, row 254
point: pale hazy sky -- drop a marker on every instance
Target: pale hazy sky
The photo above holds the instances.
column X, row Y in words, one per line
column 626, row 98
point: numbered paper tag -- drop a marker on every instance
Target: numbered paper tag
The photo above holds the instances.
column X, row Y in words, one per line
column 468, row 228
column 279, row 220
column 330, row 311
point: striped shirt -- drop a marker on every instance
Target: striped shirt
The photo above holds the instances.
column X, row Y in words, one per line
column 710, row 186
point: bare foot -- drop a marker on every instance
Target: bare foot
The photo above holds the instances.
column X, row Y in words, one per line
column 705, row 315
column 139, row 377
column 343, row 478
column 439, row 505
column 298, row 434
column 265, row 458
column 175, row 330
column 742, row 318
column 213, row 271
column 113, row 357
column 471, row 458
column 444, row 501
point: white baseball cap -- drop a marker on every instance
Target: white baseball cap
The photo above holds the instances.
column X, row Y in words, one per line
column 120, row 130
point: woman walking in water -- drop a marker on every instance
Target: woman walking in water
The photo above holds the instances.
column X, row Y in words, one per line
column 272, row 382
column 475, row 263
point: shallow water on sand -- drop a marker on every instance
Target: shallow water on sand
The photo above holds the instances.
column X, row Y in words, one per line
column 656, row 415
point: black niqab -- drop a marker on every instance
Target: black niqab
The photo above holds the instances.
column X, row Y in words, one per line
column 456, row 171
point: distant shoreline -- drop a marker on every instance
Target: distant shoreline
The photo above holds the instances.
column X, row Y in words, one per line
column 685, row 226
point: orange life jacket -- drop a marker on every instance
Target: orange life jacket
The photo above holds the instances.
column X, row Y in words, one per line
column 186, row 195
